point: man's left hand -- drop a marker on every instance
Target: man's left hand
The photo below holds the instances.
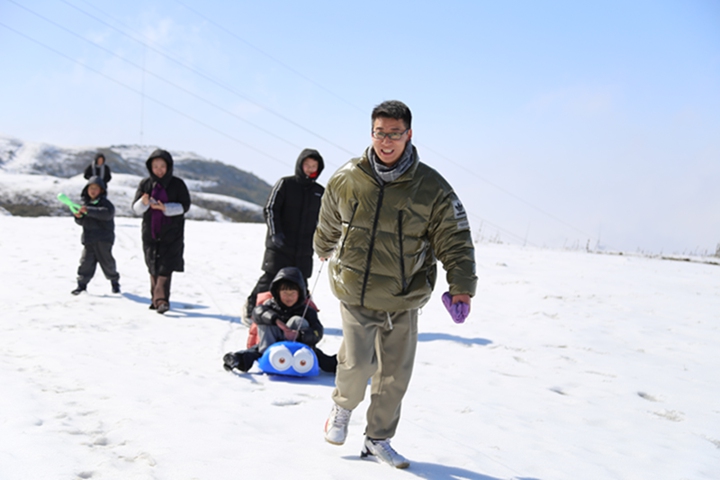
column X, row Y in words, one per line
column 458, row 306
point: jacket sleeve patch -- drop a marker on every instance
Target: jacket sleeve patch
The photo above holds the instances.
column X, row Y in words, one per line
column 463, row 225
column 458, row 209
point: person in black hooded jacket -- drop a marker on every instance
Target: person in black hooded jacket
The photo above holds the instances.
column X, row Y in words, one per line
column 99, row 169
column 162, row 199
column 96, row 217
column 287, row 315
column 291, row 214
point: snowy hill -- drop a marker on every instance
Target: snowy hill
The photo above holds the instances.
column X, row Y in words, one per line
column 32, row 174
column 571, row 366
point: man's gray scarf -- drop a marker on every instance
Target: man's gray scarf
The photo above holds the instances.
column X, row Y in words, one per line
column 390, row 174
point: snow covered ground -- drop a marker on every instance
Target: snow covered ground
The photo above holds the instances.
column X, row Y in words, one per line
column 571, row 366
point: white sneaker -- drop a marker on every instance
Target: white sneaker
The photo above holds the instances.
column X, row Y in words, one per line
column 383, row 452
column 336, row 426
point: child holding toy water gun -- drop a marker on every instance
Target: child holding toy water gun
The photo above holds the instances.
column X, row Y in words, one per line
column 96, row 216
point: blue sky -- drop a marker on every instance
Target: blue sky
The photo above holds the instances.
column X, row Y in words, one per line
column 558, row 123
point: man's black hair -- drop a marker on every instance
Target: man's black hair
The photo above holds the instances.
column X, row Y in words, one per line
column 393, row 109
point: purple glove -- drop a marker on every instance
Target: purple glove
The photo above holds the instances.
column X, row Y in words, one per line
column 458, row 311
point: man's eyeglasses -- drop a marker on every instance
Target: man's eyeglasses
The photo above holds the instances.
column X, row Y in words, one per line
column 392, row 135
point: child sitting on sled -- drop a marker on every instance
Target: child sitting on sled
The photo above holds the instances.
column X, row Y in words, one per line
column 96, row 217
column 287, row 315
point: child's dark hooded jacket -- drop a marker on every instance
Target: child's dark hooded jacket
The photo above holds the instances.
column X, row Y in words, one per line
column 98, row 223
column 273, row 309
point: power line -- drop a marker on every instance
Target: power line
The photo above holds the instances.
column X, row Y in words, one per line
column 142, row 99
column 159, row 77
column 507, row 232
column 143, row 95
column 500, row 229
column 507, row 192
column 134, row 90
column 207, row 77
column 279, row 62
column 424, row 146
column 210, row 79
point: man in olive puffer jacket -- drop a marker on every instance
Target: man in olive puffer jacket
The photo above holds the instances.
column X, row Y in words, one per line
column 385, row 218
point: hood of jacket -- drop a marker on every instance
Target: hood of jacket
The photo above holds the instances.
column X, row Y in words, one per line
column 98, row 157
column 291, row 274
column 94, row 181
column 165, row 155
column 308, row 153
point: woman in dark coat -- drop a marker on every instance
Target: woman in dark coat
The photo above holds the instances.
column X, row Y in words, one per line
column 162, row 199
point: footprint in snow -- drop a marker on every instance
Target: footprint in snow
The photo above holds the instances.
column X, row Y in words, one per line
column 648, row 397
column 713, row 441
column 672, row 415
column 286, row 402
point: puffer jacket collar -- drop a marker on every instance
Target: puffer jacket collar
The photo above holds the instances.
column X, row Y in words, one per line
column 364, row 164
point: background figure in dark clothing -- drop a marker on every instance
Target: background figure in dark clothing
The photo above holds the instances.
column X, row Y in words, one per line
column 291, row 215
column 99, row 169
column 96, row 217
column 162, row 199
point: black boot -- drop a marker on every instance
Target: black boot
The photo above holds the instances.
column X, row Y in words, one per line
column 327, row 363
column 80, row 288
column 115, row 287
column 229, row 361
column 242, row 360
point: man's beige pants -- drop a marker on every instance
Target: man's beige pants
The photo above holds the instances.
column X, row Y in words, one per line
column 379, row 346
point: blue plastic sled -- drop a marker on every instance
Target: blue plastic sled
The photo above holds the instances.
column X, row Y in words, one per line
column 289, row 358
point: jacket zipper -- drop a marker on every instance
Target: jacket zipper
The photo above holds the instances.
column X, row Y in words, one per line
column 372, row 245
column 342, row 245
column 402, row 258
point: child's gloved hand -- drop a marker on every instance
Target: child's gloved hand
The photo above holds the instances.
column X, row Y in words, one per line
column 458, row 311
